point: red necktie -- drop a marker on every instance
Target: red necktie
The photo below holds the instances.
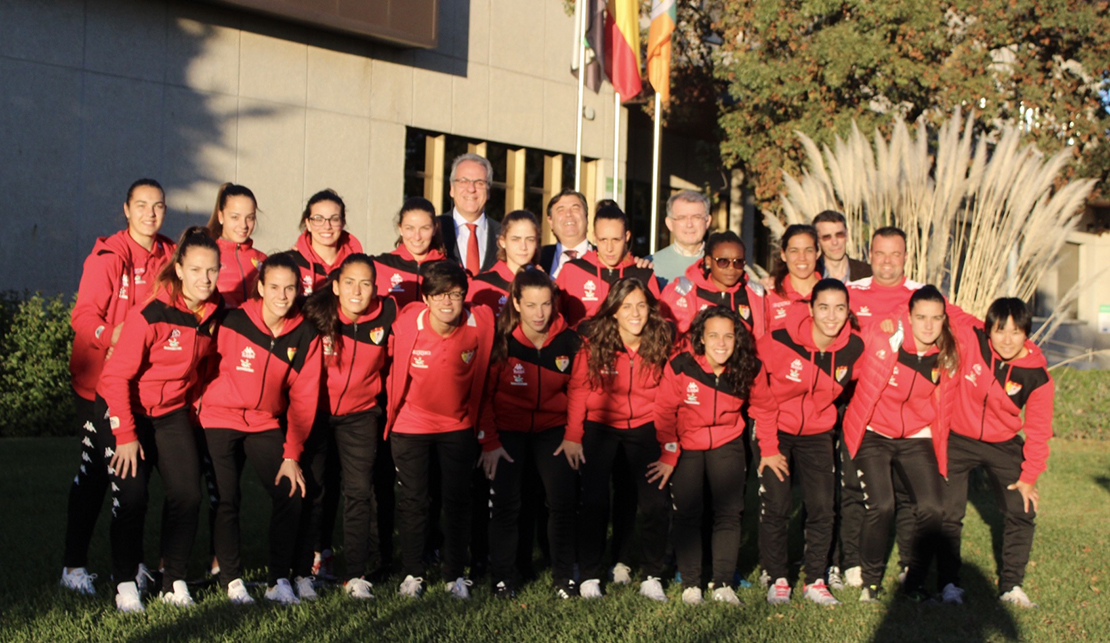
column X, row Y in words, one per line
column 473, row 262
column 571, row 254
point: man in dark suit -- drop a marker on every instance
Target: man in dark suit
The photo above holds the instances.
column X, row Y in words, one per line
column 567, row 214
column 832, row 237
column 470, row 237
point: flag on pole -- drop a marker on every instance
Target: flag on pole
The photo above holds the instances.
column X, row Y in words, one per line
column 659, row 46
column 622, row 47
column 595, row 41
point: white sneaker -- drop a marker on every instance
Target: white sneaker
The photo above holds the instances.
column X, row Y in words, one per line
column 779, row 593
column 622, row 574
column 1017, row 596
column 726, row 594
column 870, row 594
column 358, row 588
column 460, row 588
column 836, row 581
column 764, row 579
column 691, row 596
column 653, row 589
column 952, row 595
column 819, row 593
column 412, row 586
column 180, row 596
column 127, row 598
column 237, row 593
column 590, row 589
column 306, row 588
column 79, row 580
column 282, row 593
column 853, row 576
column 143, row 579
column 902, row 575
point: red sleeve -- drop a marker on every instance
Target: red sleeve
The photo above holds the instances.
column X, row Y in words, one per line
column 1038, row 430
column 667, row 401
column 681, row 315
column 653, row 286
column 98, row 285
column 487, row 422
column 304, row 394
column 120, row 370
column 764, row 408
column 578, row 393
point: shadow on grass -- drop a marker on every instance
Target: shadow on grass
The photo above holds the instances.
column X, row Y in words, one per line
column 1102, row 481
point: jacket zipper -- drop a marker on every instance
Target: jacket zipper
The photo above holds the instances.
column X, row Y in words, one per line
column 631, row 378
column 539, row 384
column 242, row 276
column 350, row 371
column 902, row 409
column 265, row 367
column 713, row 420
column 983, row 415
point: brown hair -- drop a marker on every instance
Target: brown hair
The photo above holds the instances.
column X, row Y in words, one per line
column 949, row 358
column 509, row 318
column 517, row 216
column 227, row 190
column 603, row 338
column 194, row 237
column 781, row 269
column 420, row 204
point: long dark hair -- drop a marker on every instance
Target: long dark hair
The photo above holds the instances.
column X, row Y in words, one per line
column 742, row 366
column 420, row 204
column 781, row 269
column 515, row 217
column 322, row 306
column 603, row 336
column 227, row 190
column 167, row 279
column 829, row 283
column 509, row 319
column 949, row 358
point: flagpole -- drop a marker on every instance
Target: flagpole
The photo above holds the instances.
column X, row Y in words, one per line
column 655, row 172
column 616, row 144
column 581, row 93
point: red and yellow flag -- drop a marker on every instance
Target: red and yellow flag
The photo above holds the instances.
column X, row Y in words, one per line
column 622, row 47
column 659, row 46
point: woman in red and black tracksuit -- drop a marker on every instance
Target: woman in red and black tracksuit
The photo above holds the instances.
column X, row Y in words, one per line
column 699, row 421
column 268, row 365
column 610, row 406
column 796, row 273
column 420, row 241
column 805, row 366
column 323, row 243
column 117, row 276
column 896, row 426
column 441, row 353
column 356, row 327
column 144, row 393
column 1001, row 375
column 232, row 224
column 517, row 247
column 524, row 419
column 717, row 280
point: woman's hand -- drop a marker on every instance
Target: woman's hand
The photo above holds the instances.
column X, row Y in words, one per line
column 573, row 452
column 489, row 459
column 292, row 470
column 777, row 464
column 126, row 459
column 659, row 471
column 1028, row 494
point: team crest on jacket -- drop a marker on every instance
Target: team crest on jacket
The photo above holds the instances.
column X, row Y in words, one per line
column 518, row 375
column 795, row 369
column 468, row 355
column 254, row 262
column 395, row 282
column 1012, row 388
column 291, row 352
column 329, row 347
column 376, row 335
column 745, row 312
column 589, row 291
column 841, row 371
column 561, row 363
column 935, row 375
column 174, row 344
column 692, row 394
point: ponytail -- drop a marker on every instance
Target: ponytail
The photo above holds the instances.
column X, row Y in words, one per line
column 194, row 237
column 227, row 190
column 510, row 318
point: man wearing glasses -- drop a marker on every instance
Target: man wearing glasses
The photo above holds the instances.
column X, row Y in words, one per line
column 688, row 221
column 469, row 235
column 832, row 237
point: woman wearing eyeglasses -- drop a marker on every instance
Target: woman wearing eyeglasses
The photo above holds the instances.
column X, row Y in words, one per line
column 717, row 280
column 323, row 243
column 796, row 273
column 440, row 356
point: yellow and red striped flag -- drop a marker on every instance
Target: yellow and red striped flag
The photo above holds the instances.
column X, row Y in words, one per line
column 659, row 46
column 622, row 47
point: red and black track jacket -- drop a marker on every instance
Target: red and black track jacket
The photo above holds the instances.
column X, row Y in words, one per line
column 797, row 386
column 410, row 322
column 692, row 292
column 991, row 394
column 528, row 390
column 118, row 276
column 354, row 372
column 899, row 393
column 314, row 270
column 259, row 376
column 491, row 288
column 398, row 274
column 156, row 363
column 695, row 410
column 625, row 399
column 873, row 303
column 585, row 283
column 238, row 270
column 777, row 305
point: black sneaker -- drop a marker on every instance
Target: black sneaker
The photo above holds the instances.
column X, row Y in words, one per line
column 503, row 590
column 566, row 590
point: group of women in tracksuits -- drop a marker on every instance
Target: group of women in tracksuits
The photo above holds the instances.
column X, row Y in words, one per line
column 325, row 364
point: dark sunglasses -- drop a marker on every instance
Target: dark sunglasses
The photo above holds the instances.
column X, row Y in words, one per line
column 723, row 262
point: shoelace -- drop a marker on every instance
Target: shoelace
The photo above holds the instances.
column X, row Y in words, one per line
column 782, row 591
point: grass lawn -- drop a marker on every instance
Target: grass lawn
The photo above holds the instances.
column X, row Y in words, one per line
column 1068, row 576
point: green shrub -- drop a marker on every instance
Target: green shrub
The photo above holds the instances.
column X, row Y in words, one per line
column 35, row 343
column 1082, row 403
